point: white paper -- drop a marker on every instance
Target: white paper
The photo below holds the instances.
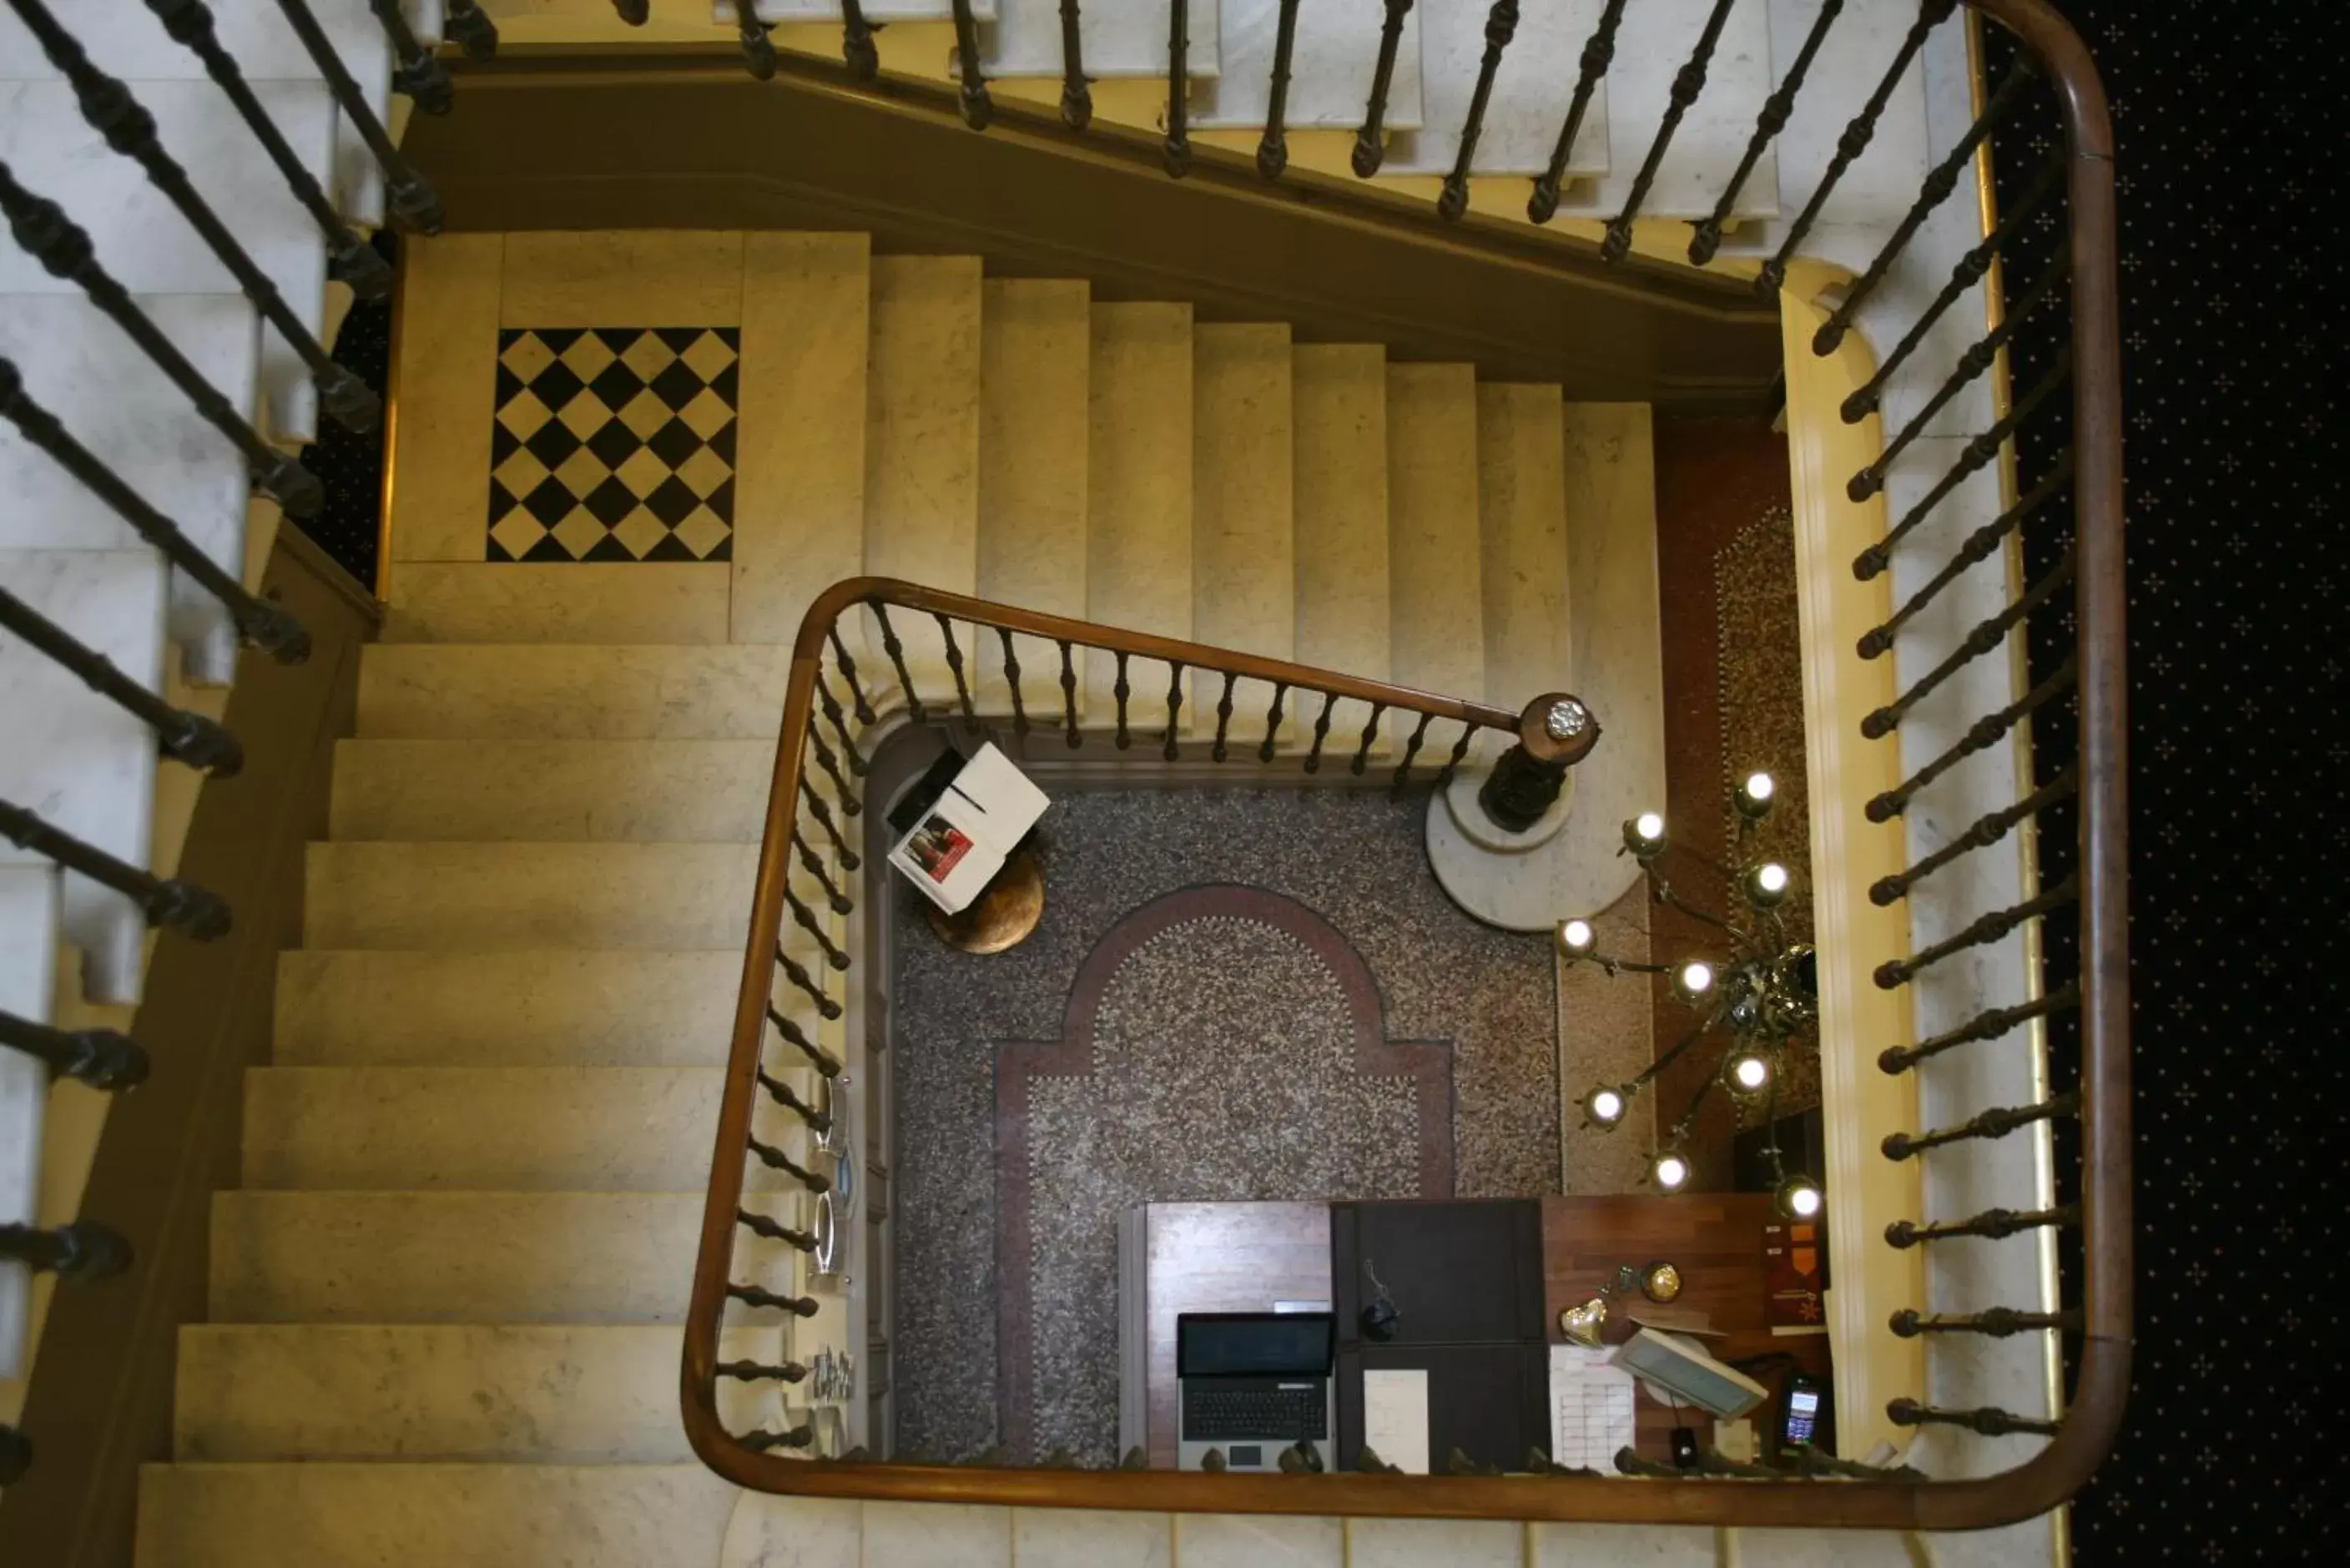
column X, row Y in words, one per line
column 1395, row 1417
column 1591, row 1407
column 965, row 839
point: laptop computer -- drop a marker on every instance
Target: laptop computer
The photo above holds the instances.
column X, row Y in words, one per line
column 1252, row 1384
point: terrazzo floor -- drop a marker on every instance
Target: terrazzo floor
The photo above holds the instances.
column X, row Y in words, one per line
column 1219, row 1068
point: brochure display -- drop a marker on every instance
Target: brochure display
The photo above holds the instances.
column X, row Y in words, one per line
column 963, row 839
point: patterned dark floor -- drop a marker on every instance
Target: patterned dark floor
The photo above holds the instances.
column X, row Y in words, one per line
column 1234, row 985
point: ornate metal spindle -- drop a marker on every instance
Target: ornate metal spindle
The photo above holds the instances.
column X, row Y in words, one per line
column 1992, row 1224
column 1174, row 709
column 420, row 73
column 1321, row 733
column 410, row 199
column 1011, row 681
column 350, row 260
column 1987, row 1421
column 1411, row 750
column 1688, row 83
column 1370, row 145
column 822, row 812
column 1776, row 109
column 831, row 766
column 761, row 1225
column 1069, row 697
column 1273, row 147
column 101, row 1059
column 1370, row 735
column 978, row 108
column 1853, row 141
column 1177, row 149
column 827, row 1065
column 63, row 248
column 762, row 1440
column 1997, row 1122
column 1987, row 830
column 1224, row 714
column 185, row 737
column 796, row 972
column 633, row 12
column 1937, row 190
column 1983, row 732
column 466, row 23
column 806, row 920
column 753, row 1371
column 1271, row 721
column 815, row 868
column 753, row 1296
column 838, row 719
column 1501, row 26
column 1983, row 639
column 1897, row 973
column 1973, row 552
column 858, row 704
column 758, row 49
column 896, row 652
column 1599, row 54
column 1988, row 1024
column 1460, row 749
column 954, row 667
column 856, row 44
column 1969, row 271
column 165, row 901
column 82, row 1251
column 1997, row 1322
column 782, row 1094
column 1076, row 97
column 1121, row 691
column 773, row 1158
column 1979, row 454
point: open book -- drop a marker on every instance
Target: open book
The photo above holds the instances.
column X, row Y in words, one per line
column 963, row 838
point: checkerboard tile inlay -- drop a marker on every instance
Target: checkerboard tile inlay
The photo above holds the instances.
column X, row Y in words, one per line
column 614, row 444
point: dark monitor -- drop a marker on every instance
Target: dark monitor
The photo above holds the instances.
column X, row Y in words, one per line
column 1255, row 1343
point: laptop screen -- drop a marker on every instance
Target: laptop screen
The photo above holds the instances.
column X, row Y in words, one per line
column 1254, row 1345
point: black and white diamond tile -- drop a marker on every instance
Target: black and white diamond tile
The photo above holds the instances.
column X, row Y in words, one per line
column 614, row 444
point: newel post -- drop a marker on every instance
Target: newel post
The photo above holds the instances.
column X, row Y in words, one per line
column 1554, row 733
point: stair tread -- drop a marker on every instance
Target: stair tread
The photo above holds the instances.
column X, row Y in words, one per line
column 480, row 789
column 568, row 602
column 1341, row 487
column 1139, row 489
column 1244, row 532
column 922, row 393
column 1522, row 508
column 1335, row 55
column 577, row 692
column 1437, row 587
column 1123, row 41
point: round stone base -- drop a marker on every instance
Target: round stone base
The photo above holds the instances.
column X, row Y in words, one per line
column 1460, row 802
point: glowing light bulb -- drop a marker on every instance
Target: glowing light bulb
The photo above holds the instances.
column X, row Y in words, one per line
column 1755, row 795
column 1747, row 1072
column 1576, row 936
column 1669, row 1170
column 1644, row 835
column 1651, row 826
column 1693, row 979
column 1604, row 1106
column 1800, row 1198
column 1766, row 885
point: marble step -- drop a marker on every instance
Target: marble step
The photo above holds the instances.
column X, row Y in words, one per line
column 1035, row 346
column 1531, row 91
column 1522, row 507
column 514, row 1394
column 571, row 602
column 524, row 1009
column 331, row 1515
column 922, row 393
column 577, row 791
column 1139, row 558
column 28, row 967
column 1244, row 532
column 1712, row 136
column 1332, row 60
column 1341, row 483
column 572, row 691
column 1436, row 588
column 1126, row 39
column 84, row 765
column 874, row 10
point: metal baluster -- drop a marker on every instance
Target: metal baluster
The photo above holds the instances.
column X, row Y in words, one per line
column 1174, row 709
column 1988, row 1024
column 1997, row 1122
column 1370, row 147
column 839, row 721
column 856, row 44
column 1224, row 713
column 410, row 199
column 758, row 49
column 761, row 1225
column 858, row 704
column 1321, row 733
column 1997, row 1322
column 1411, row 750
column 762, row 1440
column 1271, row 721
column 1077, row 98
column 1978, row 455
column 850, row 804
column 1987, row 830
column 1501, row 26
column 63, row 248
column 101, row 1059
column 798, row 975
column 815, row 864
column 1273, row 148
column 1983, row 732
column 751, row 1371
column 1987, row 1421
column 822, row 815
column 166, row 902
column 1992, row 1224
column 1012, row 679
column 896, row 652
column 1370, row 734
column 82, row 1251
column 774, row 1158
column 1983, row 639
column 1776, row 109
column 1599, row 54
column 185, row 737
column 954, row 666
column 1069, row 696
column 465, row 21
column 1969, row 272
column 807, row 921
column 1177, row 151
column 1460, row 749
column 1688, row 83
column 1937, row 190
column 350, row 260
column 1120, row 692
column 751, row 1295
column 978, row 108
column 420, row 73
column 782, row 1094
column 1894, row 973
column 1976, row 549
column 822, row 1060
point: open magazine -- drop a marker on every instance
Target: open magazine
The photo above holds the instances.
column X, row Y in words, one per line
column 962, row 841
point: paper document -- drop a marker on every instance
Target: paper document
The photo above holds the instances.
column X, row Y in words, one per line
column 962, row 841
column 1395, row 1417
column 1590, row 1408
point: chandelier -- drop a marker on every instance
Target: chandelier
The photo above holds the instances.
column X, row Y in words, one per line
column 1752, row 1003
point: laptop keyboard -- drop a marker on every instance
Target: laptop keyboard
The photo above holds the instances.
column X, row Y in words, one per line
column 1211, row 1414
